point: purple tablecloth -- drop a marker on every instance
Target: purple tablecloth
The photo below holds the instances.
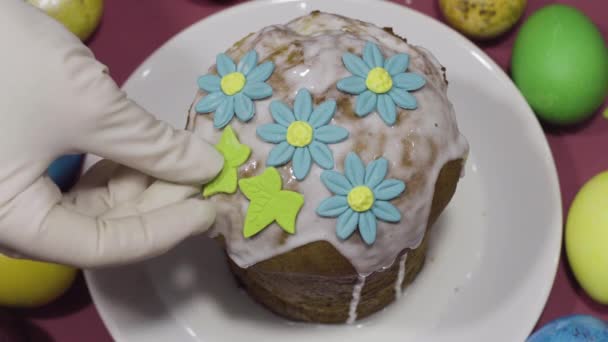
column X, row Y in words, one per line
column 132, row 29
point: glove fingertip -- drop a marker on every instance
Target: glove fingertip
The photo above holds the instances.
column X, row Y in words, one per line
column 210, row 163
column 202, row 213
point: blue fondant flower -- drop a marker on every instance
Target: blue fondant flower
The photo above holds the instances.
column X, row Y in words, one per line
column 234, row 89
column 381, row 85
column 362, row 195
column 302, row 135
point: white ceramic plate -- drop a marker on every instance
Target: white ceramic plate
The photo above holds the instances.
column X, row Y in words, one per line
column 494, row 253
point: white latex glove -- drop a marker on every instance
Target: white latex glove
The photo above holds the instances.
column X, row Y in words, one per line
column 55, row 99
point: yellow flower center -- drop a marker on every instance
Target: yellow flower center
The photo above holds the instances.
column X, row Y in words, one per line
column 360, row 198
column 299, row 134
column 233, row 83
column 379, row 80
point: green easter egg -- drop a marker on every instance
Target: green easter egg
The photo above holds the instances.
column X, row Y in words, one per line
column 587, row 237
column 560, row 64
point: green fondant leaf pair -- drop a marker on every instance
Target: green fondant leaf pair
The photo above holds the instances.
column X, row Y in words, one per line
column 269, row 203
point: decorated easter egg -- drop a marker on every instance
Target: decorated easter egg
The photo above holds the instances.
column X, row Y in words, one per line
column 81, row 17
column 575, row 328
column 482, row 19
column 587, row 237
column 65, row 170
column 27, row 283
column 560, row 64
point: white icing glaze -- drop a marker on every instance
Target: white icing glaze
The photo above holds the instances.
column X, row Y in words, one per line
column 400, row 276
column 311, row 49
column 354, row 302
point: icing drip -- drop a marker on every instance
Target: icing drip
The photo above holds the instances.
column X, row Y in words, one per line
column 307, row 53
column 354, row 302
column 400, row 276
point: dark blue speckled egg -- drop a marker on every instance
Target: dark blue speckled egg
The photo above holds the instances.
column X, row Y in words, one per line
column 575, row 328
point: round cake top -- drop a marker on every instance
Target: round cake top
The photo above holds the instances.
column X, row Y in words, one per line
column 333, row 130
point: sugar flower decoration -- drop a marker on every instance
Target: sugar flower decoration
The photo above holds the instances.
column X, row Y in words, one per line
column 302, row 135
column 380, row 85
column 233, row 91
column 362, row 196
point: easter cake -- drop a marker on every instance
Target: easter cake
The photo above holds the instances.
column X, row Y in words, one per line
column 341, row 149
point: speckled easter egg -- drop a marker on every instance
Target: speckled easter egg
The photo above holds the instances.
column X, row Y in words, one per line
column 575, row 328
column 560, row 64
column 587, row 237
column 482, row 19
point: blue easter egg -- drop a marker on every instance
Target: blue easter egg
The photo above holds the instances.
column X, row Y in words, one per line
column 65, row 170
column 575, row 328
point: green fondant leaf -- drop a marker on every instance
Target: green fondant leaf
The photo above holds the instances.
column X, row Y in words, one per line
column 234, row 152
column 269, row 203
column 268, row 183
column 225, row 182
column 286, row 206
column 258, row 216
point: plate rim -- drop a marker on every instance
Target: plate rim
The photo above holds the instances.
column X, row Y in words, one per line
column 530, row 117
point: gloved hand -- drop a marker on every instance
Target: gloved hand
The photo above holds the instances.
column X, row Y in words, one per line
column 56, row 99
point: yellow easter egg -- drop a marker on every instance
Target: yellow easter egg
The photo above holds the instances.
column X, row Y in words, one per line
column 26, row 283
column 587, row 237
column 79, row 16
column 482, row 19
